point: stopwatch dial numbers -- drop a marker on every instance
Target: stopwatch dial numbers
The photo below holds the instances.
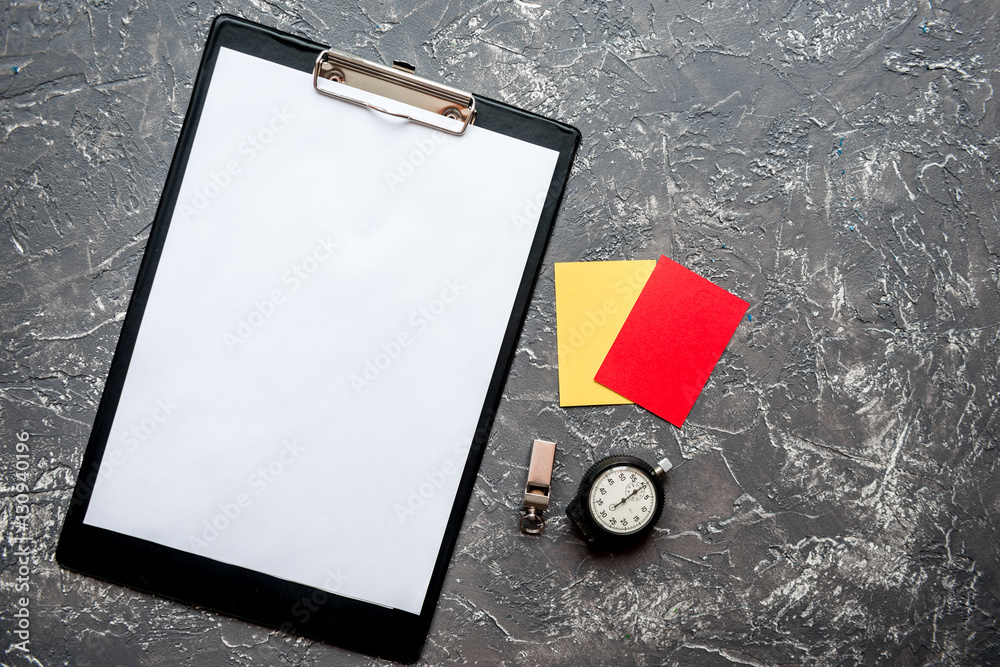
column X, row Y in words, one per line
column 622, row 500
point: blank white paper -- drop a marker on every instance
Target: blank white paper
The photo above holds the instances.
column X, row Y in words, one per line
column 320, row 335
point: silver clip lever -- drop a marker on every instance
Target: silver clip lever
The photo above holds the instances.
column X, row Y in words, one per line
column 536, row 491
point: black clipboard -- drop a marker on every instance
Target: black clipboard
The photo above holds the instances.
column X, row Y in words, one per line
column 244, row 592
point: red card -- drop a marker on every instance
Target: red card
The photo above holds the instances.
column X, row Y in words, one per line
column 671, row 341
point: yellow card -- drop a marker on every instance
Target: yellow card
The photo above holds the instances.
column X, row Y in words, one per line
column 592, row 301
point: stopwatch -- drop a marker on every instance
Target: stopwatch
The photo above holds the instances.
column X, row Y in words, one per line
column 618, row 502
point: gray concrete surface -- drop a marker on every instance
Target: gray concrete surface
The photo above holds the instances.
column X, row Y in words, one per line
column 832, row 163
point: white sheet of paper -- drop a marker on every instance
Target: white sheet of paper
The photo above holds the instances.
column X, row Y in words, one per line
column 320, row 335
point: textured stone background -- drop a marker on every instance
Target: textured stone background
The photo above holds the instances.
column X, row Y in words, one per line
column 833, row 164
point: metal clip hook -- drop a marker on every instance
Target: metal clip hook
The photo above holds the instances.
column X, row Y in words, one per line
column 395, row 91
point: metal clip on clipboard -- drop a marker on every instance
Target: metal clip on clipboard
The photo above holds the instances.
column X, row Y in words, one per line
column 365, row 83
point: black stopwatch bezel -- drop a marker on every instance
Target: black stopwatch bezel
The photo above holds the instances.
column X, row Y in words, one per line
column 579, row 509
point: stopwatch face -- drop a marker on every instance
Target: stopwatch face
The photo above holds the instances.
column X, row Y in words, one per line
column 622, row 500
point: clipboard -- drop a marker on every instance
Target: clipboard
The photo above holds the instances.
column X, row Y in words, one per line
column 317, row 342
